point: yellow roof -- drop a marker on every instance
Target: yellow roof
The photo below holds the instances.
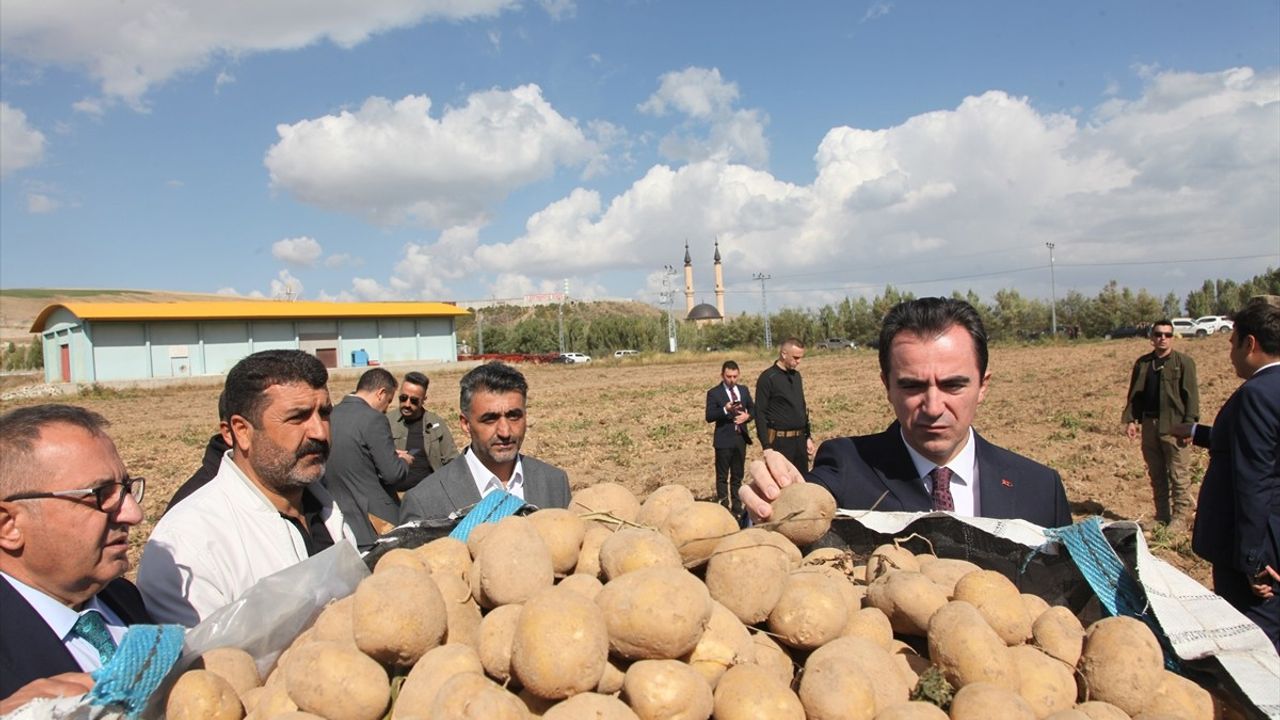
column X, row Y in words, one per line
column 248, row 310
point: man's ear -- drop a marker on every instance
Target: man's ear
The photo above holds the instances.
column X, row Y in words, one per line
column 466, row 426
column 11, row 538
column 224, row 429
column 241, row 431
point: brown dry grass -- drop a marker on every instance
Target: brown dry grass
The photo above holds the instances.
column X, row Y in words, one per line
column 640, row 422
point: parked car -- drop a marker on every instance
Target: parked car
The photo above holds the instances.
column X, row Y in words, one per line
column 1127, row 331
column 1210, row 324
column 1184, row 327
column 619, row 354
column 573, row 358
column 837, row 344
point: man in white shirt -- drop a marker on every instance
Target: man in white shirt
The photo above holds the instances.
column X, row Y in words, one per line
column 66, row 507
column 265, row 509
column 492, row 405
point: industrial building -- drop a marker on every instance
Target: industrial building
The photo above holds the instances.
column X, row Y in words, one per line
column 95, row 342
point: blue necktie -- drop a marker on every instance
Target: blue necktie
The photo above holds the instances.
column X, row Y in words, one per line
column 93, row 628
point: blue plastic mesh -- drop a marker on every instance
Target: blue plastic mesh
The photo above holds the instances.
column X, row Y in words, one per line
column 145, row 655
column 492, row 508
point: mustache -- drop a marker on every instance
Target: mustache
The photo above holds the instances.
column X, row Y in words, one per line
column 314, row 447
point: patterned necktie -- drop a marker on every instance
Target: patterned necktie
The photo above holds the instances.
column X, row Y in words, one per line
column 942, row 489
column 93, row 628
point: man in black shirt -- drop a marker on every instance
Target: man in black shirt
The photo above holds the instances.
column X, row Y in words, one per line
column 418, row 431
column 782, row 418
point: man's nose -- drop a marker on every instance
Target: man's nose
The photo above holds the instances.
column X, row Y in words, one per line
column 933, row 405
column 130, row 511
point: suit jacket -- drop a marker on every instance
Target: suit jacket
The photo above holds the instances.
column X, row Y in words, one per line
column 727, row 433
column 1238, row 515
column 30, row 651
column 453, row 489
column 858, row 470
column 363, row 472
column 436, row 438
column 1179, row 391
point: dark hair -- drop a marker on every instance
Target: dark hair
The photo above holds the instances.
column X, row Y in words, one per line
column 1260, row 317
column 375, row 380
column 793, row 342
column 728, row 365
column 20, row 429
column 249, row 379
column 1166, row 322
column 932, row 316
column 413, row 377
column 494, row 377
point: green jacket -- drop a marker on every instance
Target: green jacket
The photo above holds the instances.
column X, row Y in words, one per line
column 437, row 439
column 1179, row 391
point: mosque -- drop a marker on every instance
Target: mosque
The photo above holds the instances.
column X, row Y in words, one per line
column 703, row 313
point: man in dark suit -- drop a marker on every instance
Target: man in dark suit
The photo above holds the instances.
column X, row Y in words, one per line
column 365, row 470
column 729, row 406
column 65, row 516
column 492, row 405
column 1237, row 525
column 933, row 363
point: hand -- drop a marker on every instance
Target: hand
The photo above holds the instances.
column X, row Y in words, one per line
column 1182, row 431
column 741, row 417
column 765, row 479
column 1264, row 582
column 1183, row 441
column 405, row 456
column 64, row 685
column 810, row 447
column 1131, row 430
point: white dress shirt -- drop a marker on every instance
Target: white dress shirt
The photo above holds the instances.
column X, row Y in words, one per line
column 487, row 482
column 964, row 475
column 61, row 618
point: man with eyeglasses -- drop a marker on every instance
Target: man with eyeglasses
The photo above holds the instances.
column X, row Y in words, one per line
column 66, row 509
column 1163, row 393
column 418, row 431
column 782, row 418
column 365, row 470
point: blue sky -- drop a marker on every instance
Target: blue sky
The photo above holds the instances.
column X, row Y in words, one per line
column 456, row 150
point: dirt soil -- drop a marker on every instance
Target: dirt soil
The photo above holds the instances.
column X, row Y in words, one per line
column 639, row 421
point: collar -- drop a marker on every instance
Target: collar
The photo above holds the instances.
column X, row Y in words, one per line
column 486, row 482
column 60, row 617
column 1265, row 367
column 961, row 466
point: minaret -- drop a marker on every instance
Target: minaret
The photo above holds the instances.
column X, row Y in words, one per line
column 719, row 283
column 688, row 280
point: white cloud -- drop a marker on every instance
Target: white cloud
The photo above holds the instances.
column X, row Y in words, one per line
column 714, row 129
column 95, row 107
column 392, row 162
column 39, row 203
column 876, row 11
column 286, row 286
column 150, row 41
column 223, row 78
column 299, row 251
column 21, row 145
column 559, row 9
column 341, row 260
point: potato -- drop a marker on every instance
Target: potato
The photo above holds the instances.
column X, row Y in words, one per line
column 749, row 692
column 562, row 531
column 1179, row 697
column 802, row 512
column 983, row 701
column 890, row 557
column 401, row 557
column 587, row 586
column 909, row 663
column 870, row 623
column 337, row 681
column 1121, row 663
column 725, row 643
column 634, row 548
column 590, row 705
column 235, row 666
column 810, row 612
column 275, row 700
column 203, row 695
column 398, row 615
column 561, row 646
column 908, row 599
column 462, row 612
column 998, row 599
column 1045, row 682
column 513, row 563
column 477, row 537
column 770, row 656
column 667, row 690
column 1034, row 605
column 661, row 502
column 446, row 556
column 657, row 613
column 471, row 696
column 946, row 571
column 1098, row 710
column 1069, row 714
column 296, row 715
column 430, row 673
column 335, row 622
column 836, row 688
column 915, row 710
column 794, row 557
column 615, row 671
column 968, row 650
column 589, row 556
column 875, row 662
column 497, row 633
column 249, row 698
column 746, row 573
column 852, row 594
column 696, row 530
column 606, row 498
column 1059, row 633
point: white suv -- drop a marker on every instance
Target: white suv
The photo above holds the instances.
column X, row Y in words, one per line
column 1184, row 327
column 619, row 354
column 1210, row 324
column 572, row 357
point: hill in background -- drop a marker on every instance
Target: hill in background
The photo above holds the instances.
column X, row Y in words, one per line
column 20, row 306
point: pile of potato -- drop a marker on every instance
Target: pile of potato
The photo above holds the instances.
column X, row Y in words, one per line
column 664, row 610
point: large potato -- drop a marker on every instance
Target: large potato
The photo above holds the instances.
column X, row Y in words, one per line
column 889, row 557
column 888, row 685
column 1098, row 710
column 235, row 666
column 335, row 622
column 589, row 556
column 446, row 556
column 402, row 557
column 967, row 650
column 1181, row 698
column 770, row 656
column 746, row 574
column 946, row 572
column 588, row 586
column 337, row 681
column 615, row 501
column 749, row 692
column 908, row 599
column 696, row 530
column 657, row 613
column 667, row 690
column 593, row 706
column 497, row 634
column 984, row 701
column 811, row 611
column 802, row 512
column 203, row 695
column 1059, row 633
column 471, row 696
column 725, row 643
column 998, row 599
column 513, row 563
column 398, row 615
column 1121, row 663
column 562, row 531
column 462, row 612
column 836, row 688
column 870, row 623
column 561, row 646
column 661, row 502
column 915, row 710
column 1046, row 683
column 430, row 674
column 635, row 548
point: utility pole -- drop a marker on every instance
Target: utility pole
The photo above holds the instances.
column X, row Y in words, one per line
column 479, row 332
column 764, row 308
column 562, row 299
column 1053, row 294
column 668, row 297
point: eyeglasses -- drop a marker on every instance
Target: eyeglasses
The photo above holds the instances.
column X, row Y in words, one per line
column 108, row 497
column 411, row 399
column 1161, row 334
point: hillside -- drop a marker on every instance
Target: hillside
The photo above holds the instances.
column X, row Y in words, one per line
column 19, row 306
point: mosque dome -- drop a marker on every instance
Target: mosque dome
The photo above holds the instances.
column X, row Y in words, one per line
column 704, row 311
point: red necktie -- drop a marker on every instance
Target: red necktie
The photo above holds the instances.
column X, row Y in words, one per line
column 942, row 499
